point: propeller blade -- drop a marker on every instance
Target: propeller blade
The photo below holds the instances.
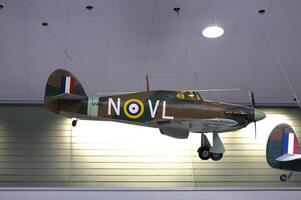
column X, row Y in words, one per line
column 252, row 99
column 255, row 130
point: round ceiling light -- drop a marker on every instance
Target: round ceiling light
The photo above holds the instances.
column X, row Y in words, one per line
column 213, row 32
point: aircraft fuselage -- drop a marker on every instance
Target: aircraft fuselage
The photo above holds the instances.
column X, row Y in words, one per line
column 154, row 108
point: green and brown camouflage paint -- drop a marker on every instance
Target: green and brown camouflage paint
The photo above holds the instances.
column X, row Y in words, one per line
column 177, row 109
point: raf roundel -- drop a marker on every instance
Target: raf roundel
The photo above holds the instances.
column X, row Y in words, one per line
column 133, row 108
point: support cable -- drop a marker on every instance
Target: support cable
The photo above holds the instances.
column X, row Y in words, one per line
column 59, row 44
column 281, row 65
column 283, row 69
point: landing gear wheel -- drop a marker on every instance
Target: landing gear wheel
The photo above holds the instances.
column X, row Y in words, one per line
column 204, row 153
column 216, row 156
column 74, row 122
column 283, row 177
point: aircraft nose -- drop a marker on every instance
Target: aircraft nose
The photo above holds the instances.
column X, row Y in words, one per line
column 258, row 115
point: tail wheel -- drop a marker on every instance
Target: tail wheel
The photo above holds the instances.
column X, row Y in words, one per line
column 204, row 153
column 216, row 156
column 74, row 122
column 283, row 177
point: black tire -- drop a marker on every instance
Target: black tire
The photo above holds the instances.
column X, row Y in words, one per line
column 204, row 153
column 216, row 156
column 74, row 122
column 283, row 177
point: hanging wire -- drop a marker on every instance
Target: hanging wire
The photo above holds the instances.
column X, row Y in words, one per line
column 190, row 58
column 281, row 65
column 259, row 51
column 177, row 10
column 283, row 69
column 145, row 72
column 108, row 28
column 26, row 52
column 60, row 44
column 217, row 73
column 50, row 30
column 260, row 48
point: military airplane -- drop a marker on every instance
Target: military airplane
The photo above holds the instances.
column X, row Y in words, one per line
column 283, row 151
column 175, row 113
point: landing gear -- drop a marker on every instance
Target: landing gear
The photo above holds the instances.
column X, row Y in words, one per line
column 74, row 122
column 216, row 156
column 284, row 177
column 217, row 150
column 207, row 151
column 204, row 153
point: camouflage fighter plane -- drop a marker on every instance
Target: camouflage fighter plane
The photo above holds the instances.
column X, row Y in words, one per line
column 175, row 113
column 283, row 151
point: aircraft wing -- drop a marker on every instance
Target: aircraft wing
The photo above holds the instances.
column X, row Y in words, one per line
column 289, row 157
column 179, row 131
column 211, row 125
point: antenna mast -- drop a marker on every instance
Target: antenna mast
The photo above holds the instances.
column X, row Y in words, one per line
column 147, row 83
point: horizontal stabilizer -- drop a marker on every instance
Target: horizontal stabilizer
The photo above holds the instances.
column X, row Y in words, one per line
column 67, row 96
column 288, row 157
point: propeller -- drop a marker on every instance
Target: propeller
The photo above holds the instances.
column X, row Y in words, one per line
column 253, row 104
column 252, row 98
column 255, row 130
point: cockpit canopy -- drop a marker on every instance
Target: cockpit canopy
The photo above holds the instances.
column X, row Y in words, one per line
column 189, row 95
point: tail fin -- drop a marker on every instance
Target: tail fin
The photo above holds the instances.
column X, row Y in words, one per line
column 61, row 85
column 282, row 145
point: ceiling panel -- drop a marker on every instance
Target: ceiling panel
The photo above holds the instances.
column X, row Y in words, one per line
column 113, row 46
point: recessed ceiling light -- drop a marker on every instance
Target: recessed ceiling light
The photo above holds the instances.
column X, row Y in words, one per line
column 177, row 9
column 44, row 24
column 261, row 11
column 1, row 6
column 89, row 7
column 213, row 32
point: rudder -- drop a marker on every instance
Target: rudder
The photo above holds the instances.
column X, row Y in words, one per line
column 61, row 84
column 282, row 140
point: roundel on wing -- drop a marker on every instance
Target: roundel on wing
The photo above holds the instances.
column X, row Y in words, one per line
column 133, row 108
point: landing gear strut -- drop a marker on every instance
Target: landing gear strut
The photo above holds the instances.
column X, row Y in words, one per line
column 206, row 151
column 284, row 177
column 74, row 122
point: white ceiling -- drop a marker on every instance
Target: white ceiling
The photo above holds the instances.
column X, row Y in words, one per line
column 113, row 46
